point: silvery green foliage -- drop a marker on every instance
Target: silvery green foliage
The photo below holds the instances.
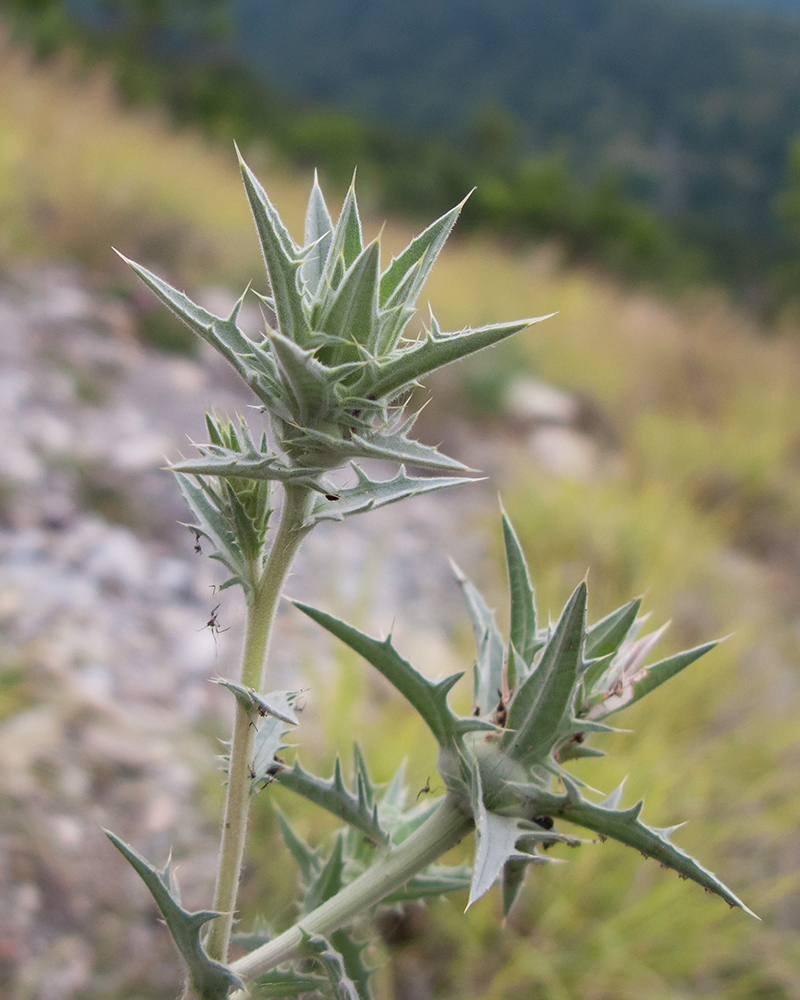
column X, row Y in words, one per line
column 377, row 818
column 537, row 699
column 332, row 368
column 232, row 513
column 208, row 979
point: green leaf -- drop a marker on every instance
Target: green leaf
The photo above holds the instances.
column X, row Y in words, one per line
column 542, row 705
column 393, row 446
column 438, row 349
column 514, row 873
column 223, row 462
column 625, row 826
column 209, row 979
column 333, row 795
column 429, row 699
column 488, row 675
column 352, row 312
column 403, row 280
column 283, row 261
column 437, row 880
column 342, row 986
column 306, row 858
column 609, row 633
column 422, row 251
column 214, row 526
column 369, row 494
column 649, row 678
column 311, row 385
column 318, row 235
column 345, row 246
column 327, row 881
column 496, row 837
column 276, row 704
column 285, row 984
column 352, row 952
column 523, row 607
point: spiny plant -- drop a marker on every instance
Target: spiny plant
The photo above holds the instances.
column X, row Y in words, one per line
column 334, row 371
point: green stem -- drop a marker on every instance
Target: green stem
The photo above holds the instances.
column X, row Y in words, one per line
column 446, row 827
column 260, row 618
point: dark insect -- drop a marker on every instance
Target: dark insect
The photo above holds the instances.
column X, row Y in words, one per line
column 213, row 624
column 331, row 496
column 545, row 822
column 197, row 548
column 501, row 713
column 425, row 789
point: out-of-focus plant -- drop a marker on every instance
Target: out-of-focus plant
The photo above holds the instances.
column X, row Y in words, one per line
column 334, row 371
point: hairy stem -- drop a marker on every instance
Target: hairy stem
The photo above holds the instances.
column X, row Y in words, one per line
column 448, row 825
column 260, row 618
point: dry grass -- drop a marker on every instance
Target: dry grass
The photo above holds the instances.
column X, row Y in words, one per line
column 703, row 506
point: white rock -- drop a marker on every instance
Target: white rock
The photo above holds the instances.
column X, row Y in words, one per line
column 564, row 452
column 531, row 401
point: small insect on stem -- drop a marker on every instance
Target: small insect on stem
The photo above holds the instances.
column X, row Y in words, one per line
column 425, row 790
column 197, row 548
column 331, row 496
column 213, row 624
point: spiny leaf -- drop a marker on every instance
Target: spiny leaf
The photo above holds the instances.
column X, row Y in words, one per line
column 210, row 980
column 285, row 984
column 369, row 494
column 333, row 795
column 649, row 678
column 429, row 699
column 346, row 243
column 523, row 608
column 395, row 446
column 625, row 826
column 311, row 384
column 306, row 858
column 318, row 234
column 437, row 880
column 403, row 280
column 223, row 335
column 607, row 635
column 540, row 706
column 277, row 704
column 282, row 259
column 216, row 461
column 327, row 881
column 437, row 350
column 422, row 250
column 352, row 952
column 342, row 986
column 488, row 675
column 274, row 711
column 352, row 312
column 212, row 525
column 495, row 835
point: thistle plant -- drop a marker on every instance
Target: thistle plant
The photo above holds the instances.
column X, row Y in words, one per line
column 333, row 371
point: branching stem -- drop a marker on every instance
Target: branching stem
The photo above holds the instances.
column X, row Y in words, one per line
column 260, row 618
column 445, row 828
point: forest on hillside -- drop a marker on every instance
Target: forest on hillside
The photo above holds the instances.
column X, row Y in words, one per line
column 649, row 137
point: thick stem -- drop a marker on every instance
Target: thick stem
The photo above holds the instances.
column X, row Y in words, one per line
column 448, row 825
column 260, row 618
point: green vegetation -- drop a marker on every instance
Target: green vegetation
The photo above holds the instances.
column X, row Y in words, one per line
column 699, row 504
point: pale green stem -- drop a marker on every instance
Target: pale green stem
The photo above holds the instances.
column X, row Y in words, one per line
column 260, row 618
column 448, row 825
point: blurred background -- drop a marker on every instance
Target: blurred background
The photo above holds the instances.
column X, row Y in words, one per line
column 637, row 169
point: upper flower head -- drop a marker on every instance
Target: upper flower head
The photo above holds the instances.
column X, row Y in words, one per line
column 332, row 363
